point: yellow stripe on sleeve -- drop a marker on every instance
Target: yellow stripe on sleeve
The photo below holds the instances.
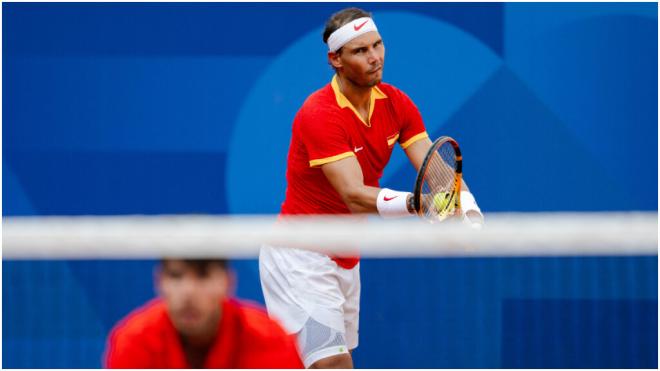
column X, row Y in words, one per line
column 412, row 140
column 322, row 161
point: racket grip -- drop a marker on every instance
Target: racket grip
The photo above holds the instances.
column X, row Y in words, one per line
column 410, row 204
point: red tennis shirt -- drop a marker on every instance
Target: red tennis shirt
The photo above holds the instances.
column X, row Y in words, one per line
column 247, row 338
column 328, row 128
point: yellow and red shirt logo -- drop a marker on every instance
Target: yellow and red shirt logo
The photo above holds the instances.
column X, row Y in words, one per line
column 391, row 140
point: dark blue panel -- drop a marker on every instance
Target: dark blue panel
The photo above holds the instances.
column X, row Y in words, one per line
column 447, row 313
column 69, row 183
column 202, row 29
column 581, row 333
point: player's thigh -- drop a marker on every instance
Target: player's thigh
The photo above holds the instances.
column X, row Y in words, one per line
column 324, row 347
column 320, row 344
column 350, row 285
column 299, row 284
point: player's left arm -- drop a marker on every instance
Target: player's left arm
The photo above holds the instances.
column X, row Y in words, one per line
column 416, row 153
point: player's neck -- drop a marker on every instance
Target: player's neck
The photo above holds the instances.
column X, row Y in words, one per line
column 195, row 355
column 201, row 340
column 196, row 348
column 359, row 96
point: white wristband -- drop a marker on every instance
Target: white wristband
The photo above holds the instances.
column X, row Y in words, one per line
column 392, row 204
column 468, row 202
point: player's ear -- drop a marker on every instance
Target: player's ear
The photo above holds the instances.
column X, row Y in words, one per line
column 334, row 60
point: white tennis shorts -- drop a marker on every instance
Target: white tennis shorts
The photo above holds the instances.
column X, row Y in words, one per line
column 312, row 297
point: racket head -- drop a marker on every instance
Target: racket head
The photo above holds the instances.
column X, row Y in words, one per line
column 436, row 195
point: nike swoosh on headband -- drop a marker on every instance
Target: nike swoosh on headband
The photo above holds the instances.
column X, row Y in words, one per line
column 357, row 28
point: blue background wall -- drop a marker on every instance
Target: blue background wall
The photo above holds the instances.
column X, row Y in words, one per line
column 186, row 108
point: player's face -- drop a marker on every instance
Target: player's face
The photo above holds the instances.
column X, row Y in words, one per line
column 361, row 60
column 193, row 298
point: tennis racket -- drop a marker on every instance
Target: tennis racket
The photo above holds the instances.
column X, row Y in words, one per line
column 436, row 195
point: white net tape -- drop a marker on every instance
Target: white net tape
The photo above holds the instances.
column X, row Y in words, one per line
column 505, row 234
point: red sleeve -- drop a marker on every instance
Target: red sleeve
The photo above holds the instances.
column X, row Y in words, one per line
column 412, row 128
column 126, row 351
column 324, row 137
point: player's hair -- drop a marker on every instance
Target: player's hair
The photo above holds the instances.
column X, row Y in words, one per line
column 341, row 18
column 200, row 266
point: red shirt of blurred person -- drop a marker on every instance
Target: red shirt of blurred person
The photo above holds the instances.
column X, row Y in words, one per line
column 194, row 325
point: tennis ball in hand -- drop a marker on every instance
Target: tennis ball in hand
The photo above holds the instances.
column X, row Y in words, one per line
column 442, row 200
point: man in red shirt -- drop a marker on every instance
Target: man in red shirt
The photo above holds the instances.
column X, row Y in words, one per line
column 342, row 138
column 195, row 325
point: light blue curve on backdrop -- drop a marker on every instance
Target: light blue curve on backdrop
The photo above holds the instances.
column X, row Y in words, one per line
column 595, row 67
column 439, row 72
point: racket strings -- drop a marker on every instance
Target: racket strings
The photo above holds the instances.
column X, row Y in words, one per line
column 439, row 179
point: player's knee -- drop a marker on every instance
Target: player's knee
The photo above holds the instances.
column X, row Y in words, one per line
column 336, row 361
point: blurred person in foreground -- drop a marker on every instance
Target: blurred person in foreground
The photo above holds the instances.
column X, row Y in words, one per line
column 194, row 323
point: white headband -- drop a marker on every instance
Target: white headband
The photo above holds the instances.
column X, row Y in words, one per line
column 349, row 31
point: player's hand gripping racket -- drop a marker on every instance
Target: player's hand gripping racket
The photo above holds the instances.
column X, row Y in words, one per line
column 438, row 186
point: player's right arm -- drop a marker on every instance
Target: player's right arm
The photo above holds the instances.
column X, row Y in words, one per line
column 346, row 177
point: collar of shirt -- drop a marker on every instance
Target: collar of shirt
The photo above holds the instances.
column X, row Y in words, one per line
column 343, row 102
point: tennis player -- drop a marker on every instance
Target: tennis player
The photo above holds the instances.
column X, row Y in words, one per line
column 194, row 324
column 343, row 136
